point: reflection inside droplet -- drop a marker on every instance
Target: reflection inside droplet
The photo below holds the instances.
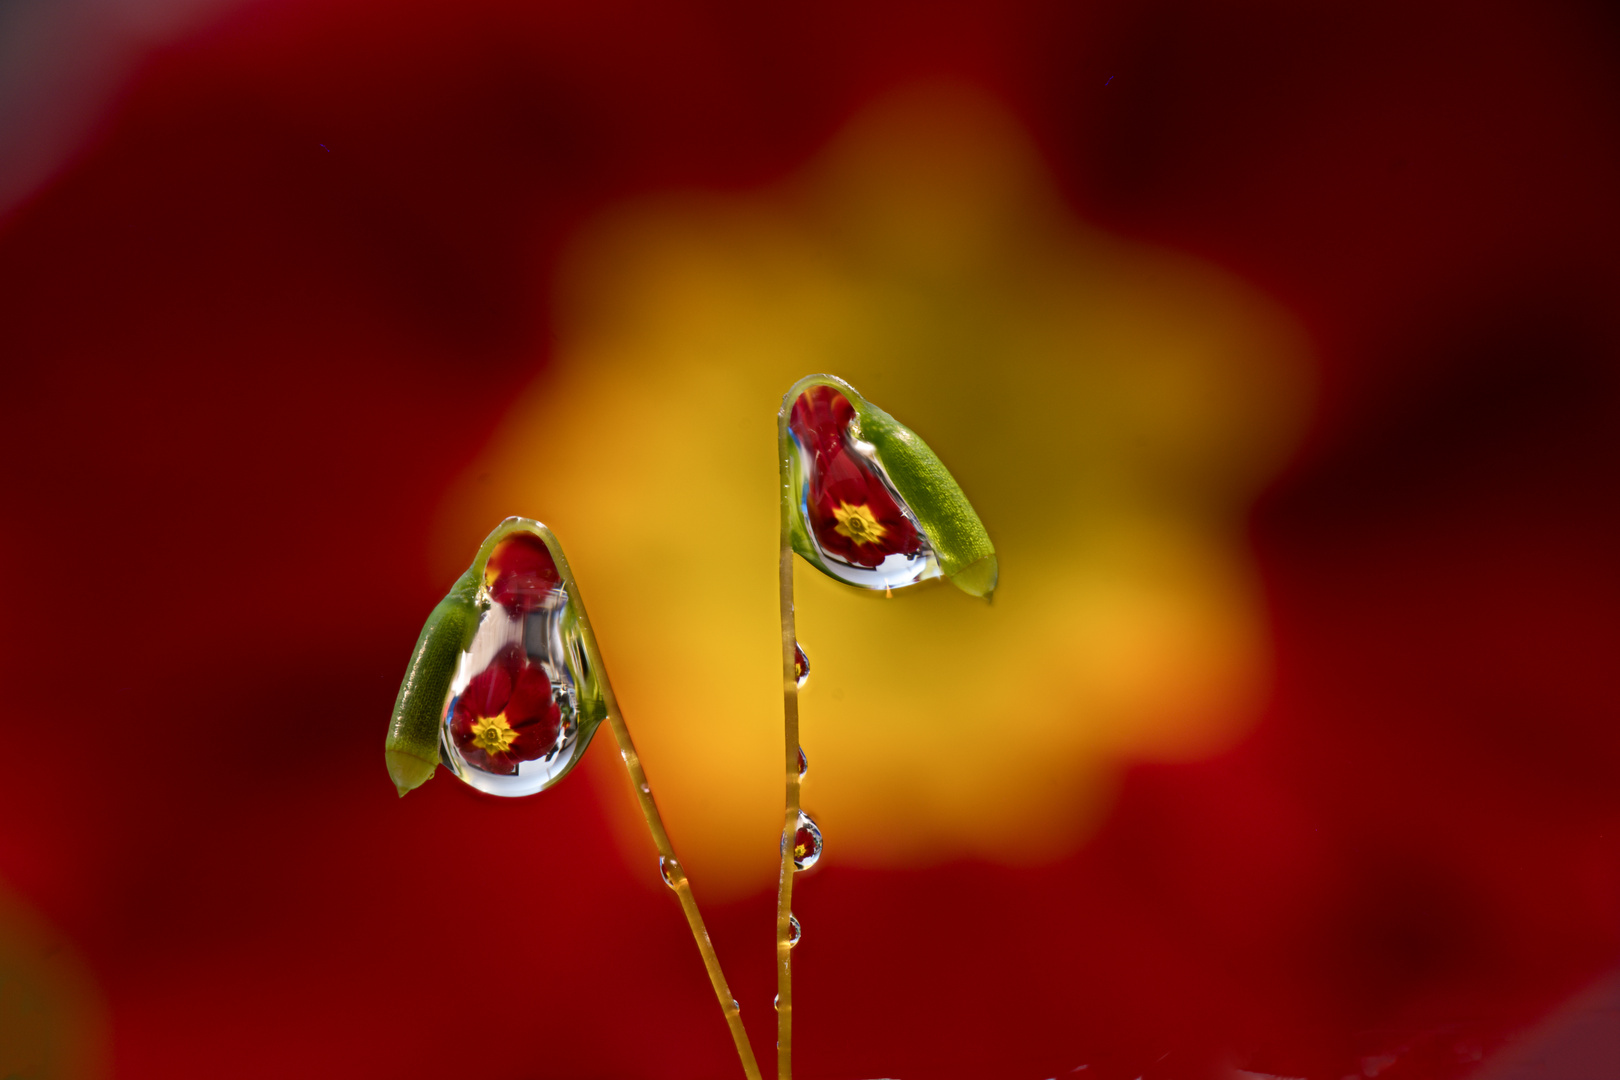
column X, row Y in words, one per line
column 860, row 530
column 804, row 763
column 801, row 664
column 511, row 723
column 806, row 843
column 794, row 930
column 670, row 871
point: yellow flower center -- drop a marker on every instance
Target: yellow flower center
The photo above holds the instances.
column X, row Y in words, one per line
column 493, row 735
column 857, row 523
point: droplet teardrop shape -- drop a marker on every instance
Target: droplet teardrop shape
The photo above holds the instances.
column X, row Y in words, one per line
column 804, row 763
column 801, row 664
column 806, row 843
column 670, row 871
column 794, row 931
column 855, row 525
column 520, row 710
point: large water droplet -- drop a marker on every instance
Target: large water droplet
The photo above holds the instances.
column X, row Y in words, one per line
column 523, row 703
column 794, row 930
column 804, row 763
column 801, row 664
column 670, row 871
column 859, row 529
column 806, row 843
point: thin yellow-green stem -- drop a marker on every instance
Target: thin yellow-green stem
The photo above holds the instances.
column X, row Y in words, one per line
column 674, row 873
column 790, row 737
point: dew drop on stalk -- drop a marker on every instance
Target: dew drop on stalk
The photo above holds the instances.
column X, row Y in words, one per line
column 806, row 843
column 794, row 931
column 512, row 722
column 670, row 871
column 856, row 526
column 804, row 763
column 776, row 1002
column 801, row 664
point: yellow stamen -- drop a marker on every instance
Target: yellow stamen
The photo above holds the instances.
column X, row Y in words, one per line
column 493, row 735
column 857, row 523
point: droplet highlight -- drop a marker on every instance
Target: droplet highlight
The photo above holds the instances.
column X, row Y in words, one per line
column 794, row 930
column 804, row 763
column 806, row 843
column 671, row 872
column 801, row 664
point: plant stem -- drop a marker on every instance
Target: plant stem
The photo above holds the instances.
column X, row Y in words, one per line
column 675, row 875
column 790, row 736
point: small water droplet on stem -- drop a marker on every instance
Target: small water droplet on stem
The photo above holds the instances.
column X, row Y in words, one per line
column 801, row 664
column 806, row 843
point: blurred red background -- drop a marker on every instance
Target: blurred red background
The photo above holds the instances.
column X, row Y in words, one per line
column 275, row 301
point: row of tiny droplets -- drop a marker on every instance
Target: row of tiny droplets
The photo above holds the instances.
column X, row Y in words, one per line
column 806, row 839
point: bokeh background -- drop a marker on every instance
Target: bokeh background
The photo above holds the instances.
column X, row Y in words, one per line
column 1275, row 344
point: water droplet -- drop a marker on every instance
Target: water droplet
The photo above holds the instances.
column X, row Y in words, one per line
column 734, row 1006
column 776, row 1002
column 670, row 871
column 801, row 664
column 859, row 529
column 806, row 843
column 794, row 930
column 645, row 790
column 804, row 763
column 521, row 709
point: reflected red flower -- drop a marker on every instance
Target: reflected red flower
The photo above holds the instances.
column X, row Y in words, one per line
column 851, row 513
column 520, row 573
column 506, row 715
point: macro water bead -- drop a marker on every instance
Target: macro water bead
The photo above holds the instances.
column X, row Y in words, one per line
column 500, row 689
column 854, row 518
column 871, row 504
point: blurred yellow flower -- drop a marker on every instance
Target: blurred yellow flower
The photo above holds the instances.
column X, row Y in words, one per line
column 1110, row 408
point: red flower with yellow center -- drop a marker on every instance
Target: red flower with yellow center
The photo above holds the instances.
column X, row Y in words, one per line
column 506, row 715
column 850, row 511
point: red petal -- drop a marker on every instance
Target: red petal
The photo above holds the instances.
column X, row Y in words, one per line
column 461, row 720
column 531, row 697
column 489, row 690
column 537, row 737
column 521, row 572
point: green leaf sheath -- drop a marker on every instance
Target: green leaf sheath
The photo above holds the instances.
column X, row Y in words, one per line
column 960, row 541
column 413, row 732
